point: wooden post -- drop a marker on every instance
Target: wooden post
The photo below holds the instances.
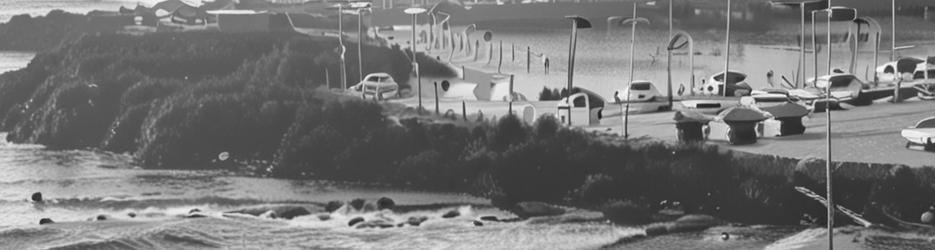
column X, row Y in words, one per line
column 464, row 110
column 510, row 108
column 512, row 52
column 436, row 98
column 528, row 59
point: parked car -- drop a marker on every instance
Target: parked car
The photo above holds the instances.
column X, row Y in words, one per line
column 379, row 86
column 640, row 91
column 921, row 135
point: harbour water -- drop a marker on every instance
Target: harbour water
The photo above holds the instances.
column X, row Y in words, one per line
column 80, row 186
column 602, row 61
column 10, row 8
column 13, row 60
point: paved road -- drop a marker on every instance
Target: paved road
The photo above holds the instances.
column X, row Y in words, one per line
column 861, row 134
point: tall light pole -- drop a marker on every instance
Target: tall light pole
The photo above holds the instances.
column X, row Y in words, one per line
column 668, row 57
column 673, row 45
column 876, row 49
column 727, row 50
column 577, row 22
column 834, row 14
column 414, row 12
column 632, row 21
column 893, row 36
column 360, row 39
column 343, row 49
column 801, row 6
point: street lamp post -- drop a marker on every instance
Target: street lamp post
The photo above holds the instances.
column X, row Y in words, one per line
column 834, row 14
column 632, row 21
column 415, row 63
column 577, row 22
column 360, row 40
column 673, row 45
column 801, row 6
column 875, row 28
column 727, row 51
column 668, row 57
column 341, row 45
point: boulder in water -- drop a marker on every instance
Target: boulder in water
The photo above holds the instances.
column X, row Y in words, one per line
column 451, row 214
column 131, row 214
column 374, row 224
column 289, row 212
column 354, row 221
column 194, row 210
column 101, row 217
column 656, row 230
column 489, row 218
column 333, row 206
column 535, row 208
column 478, row 224
column 357, row 204
column 416, row 220
column 36, row 197
column 44, row 221
column 385, row 203
column 324, row 217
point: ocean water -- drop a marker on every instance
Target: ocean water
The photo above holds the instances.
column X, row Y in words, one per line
column 10, row 8
column 81, row 185
column 13, row 60
column 603, row 55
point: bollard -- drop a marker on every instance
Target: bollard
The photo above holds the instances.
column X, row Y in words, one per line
column 436, row 98
column 464, row 110
column 528, row 59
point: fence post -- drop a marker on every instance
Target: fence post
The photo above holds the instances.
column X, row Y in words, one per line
column 436, row 98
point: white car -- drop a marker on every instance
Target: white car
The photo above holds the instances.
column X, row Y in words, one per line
column 379, row 86
column 844, row 87
column 640, row 91
column 900, row 69
column 922, row 134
